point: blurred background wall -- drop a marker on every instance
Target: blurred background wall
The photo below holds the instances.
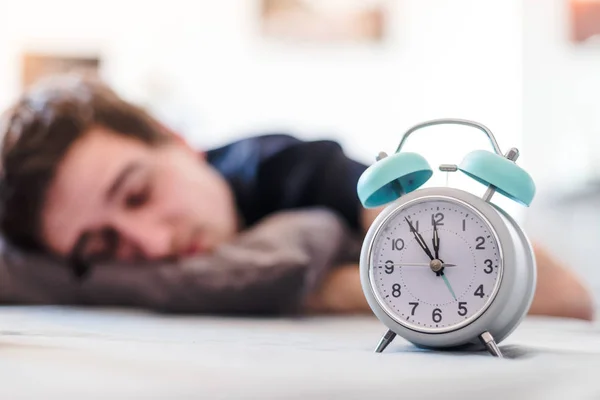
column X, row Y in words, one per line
column 561, row 127
column 360, row 72
column 561, row 82
column 209, row 71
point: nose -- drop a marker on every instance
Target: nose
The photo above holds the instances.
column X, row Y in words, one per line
column 144, row 233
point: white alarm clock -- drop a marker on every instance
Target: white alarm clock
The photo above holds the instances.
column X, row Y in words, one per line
column 442, row 267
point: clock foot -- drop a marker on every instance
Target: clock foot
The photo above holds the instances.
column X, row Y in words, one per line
column 488, row 340
column 385, row 340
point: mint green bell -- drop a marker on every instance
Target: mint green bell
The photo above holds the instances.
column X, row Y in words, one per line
column 507, row 177
column 391, row 177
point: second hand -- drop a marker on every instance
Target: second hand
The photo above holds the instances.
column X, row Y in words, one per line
column 436, row 248
column 448, row 285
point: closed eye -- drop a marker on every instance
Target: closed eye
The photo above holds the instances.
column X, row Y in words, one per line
column 138, row 198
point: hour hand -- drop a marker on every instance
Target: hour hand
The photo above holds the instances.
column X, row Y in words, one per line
column 419, row 239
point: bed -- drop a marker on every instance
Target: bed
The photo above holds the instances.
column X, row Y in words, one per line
column 62, row 352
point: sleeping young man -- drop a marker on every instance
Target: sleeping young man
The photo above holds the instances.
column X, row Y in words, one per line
column 89, row 176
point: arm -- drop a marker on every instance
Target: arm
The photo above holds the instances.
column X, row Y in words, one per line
column 559, row 292
column 341, row 291
column 268, row 269
column 367, row 216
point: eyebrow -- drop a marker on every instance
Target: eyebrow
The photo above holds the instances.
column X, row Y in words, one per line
column 120, row 179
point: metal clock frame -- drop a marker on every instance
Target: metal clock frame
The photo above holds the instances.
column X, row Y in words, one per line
column 513, row 292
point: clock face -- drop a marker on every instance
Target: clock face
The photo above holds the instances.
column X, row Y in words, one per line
column 444, row 289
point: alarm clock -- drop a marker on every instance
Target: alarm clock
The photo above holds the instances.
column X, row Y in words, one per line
column 442, row 267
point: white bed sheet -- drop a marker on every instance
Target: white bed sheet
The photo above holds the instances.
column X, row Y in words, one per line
column 76, row 353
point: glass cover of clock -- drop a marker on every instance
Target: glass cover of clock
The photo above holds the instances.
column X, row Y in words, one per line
column 435, row 264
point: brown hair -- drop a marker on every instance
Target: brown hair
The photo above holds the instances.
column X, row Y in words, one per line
column 39, row 129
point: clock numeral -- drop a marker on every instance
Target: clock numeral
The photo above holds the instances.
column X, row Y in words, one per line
column 462, row 310
column 479, row 291
column 414, row 308
column 488, row 267
column 437, row 315
column 397, row 244
column 480, row 241
column 389, row 267
column 437, row 218
column 396, row 290
column 415, row 224
column 464, row 225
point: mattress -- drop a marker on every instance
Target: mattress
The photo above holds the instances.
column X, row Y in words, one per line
column 49, row 352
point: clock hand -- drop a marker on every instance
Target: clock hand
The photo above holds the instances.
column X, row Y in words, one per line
column 414, row 265
column 448, row 285
column 419, row 239
column 436, row 249
column 436, row 242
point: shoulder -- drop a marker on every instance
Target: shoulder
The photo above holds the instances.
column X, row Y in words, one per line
column 259, row 146
column 266, row 149
column 274, row 172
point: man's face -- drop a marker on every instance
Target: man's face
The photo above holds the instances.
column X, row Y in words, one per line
column 117, row 197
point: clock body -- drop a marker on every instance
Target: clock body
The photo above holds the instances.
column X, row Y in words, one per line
column 484, row 280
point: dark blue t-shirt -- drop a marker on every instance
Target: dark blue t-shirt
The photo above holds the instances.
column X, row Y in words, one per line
column 274, row 172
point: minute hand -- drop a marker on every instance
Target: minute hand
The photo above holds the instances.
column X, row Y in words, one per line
column 419, row 239
column 436, row 242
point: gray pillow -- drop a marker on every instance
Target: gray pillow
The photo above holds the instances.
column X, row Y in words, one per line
column 267, row 269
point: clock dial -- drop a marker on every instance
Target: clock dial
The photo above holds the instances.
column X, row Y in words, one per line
column 435, row 264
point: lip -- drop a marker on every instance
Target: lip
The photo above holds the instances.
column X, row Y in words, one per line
column 194, row 247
